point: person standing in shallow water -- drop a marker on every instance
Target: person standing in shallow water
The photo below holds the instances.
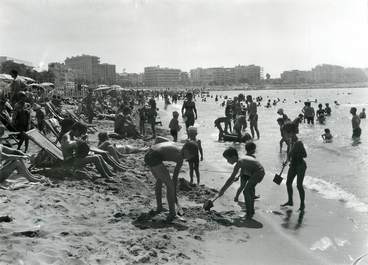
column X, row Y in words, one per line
column 355, row 122
column 189, row 111
column 253, row 116
column 297, row 167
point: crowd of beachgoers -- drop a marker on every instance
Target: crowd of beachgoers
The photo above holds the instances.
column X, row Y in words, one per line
column 104, row 135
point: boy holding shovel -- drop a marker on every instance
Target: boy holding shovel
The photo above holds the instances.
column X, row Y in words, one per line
column 250, row 168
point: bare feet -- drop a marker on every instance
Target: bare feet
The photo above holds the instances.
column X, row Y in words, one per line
column 287, row 204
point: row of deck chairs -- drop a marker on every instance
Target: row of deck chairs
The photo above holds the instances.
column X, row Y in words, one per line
column 55, row 114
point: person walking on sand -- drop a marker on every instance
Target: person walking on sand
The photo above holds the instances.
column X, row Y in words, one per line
column 189, row 111
column 355, row 122
column 248, row 166
column 298, row 166
column 154, row 158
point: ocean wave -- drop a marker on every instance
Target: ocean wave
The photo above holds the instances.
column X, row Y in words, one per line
column 332, row 191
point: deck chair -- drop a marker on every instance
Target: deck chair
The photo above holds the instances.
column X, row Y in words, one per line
column 39, row 139
column 10, row 132
column 53, row 112
column 91, row 127
column 50, row 125
column 10, row 138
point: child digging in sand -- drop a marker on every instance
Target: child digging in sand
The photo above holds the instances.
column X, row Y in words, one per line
column 168, row 151
column 250, row 148
column 194, row 162
column 248, row 166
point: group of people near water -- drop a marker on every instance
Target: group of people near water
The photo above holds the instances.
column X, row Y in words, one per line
column 108, row 158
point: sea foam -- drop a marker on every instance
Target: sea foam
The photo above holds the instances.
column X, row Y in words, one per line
column 332, row 191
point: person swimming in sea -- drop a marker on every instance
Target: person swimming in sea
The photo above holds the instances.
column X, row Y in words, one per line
column 327, row 136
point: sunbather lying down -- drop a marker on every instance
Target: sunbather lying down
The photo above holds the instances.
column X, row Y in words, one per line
column 11, row 160
column 117, row 151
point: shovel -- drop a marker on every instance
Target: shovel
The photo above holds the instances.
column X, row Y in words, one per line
column 278, row 179
column 209, row 203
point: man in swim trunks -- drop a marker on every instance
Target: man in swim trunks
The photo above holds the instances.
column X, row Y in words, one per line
column 355, row 122
column 253, row 116
column 154, row 158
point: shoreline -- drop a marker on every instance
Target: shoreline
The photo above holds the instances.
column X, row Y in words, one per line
column 85, row 222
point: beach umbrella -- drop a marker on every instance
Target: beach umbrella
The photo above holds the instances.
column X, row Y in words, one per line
column 5, row 77
column 102, row 88
column 45, row 84
column 26, row 79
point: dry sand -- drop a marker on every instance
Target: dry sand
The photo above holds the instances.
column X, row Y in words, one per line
column 101, row 222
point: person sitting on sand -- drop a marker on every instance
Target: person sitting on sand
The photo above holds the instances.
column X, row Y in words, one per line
column 327, row 136
column 11, row 160
column 168, row 151
column 69, row 146
column 250, row 148
column 362, row 115
column 194, row 162
column 297, row 167
column 249, row 166
column 355, row 121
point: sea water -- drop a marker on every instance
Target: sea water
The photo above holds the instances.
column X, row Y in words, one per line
column 337, row 170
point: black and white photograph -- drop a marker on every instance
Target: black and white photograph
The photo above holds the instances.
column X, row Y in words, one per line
column 183, row 132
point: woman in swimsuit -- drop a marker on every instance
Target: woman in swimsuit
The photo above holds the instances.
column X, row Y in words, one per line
column 190, row 113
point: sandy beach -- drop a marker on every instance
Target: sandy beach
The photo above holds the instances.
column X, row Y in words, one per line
column 77, row 221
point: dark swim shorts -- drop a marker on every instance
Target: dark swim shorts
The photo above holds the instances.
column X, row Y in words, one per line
column 152, row 158
column 357, row 132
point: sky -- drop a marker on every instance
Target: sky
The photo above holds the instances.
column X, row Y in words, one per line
column 278, row 35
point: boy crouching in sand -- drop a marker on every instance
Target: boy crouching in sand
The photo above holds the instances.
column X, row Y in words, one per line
column 168, row 151
column 250, row 148
column 250, row 167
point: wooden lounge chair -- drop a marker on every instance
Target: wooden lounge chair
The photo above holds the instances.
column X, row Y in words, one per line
column 91, row 127
column 50, row 125
column 39, row 139
column 53, row 111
